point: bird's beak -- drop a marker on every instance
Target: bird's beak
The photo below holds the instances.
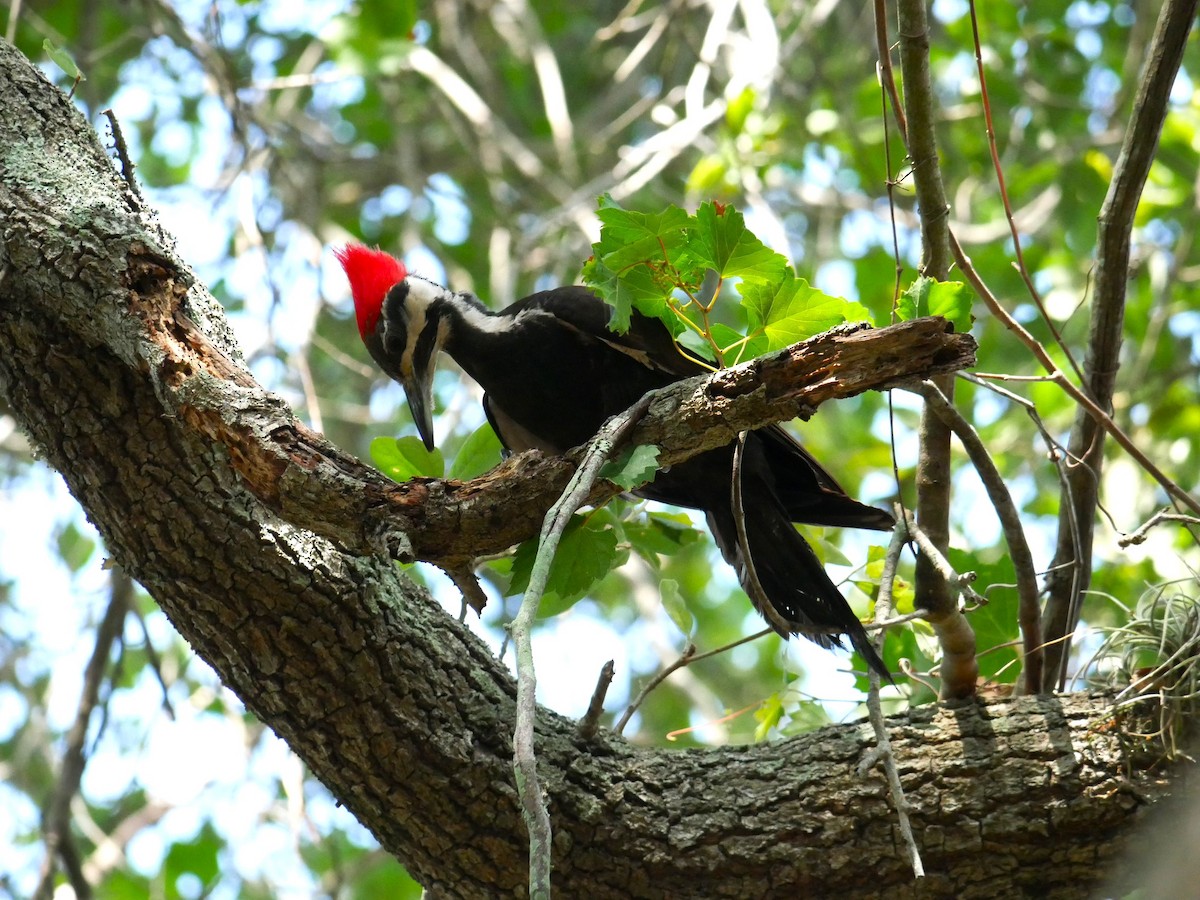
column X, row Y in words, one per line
column 418, row 388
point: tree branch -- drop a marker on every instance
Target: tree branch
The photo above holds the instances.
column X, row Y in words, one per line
column 316, row 486
column 1066, row 584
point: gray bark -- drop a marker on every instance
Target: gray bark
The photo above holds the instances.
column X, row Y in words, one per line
column 123, row 372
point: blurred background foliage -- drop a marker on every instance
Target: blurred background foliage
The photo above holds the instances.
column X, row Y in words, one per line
column 474, row 138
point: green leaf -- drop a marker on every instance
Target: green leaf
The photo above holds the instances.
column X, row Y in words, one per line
column 586, row 553
column 196, row 857
column 791, row 310
column 739, row 109
column 479, row 453
column 708, row 175
column 768, row 716
column 724, row 243
column 676, row 607
column 635, row 289
column 803, row 717
column 63, row 60
column 633, row 467
column 659, row 534
column 629, row 238
column 928, row 297
column 631, row 265
column 403, row 458
column 74, row 547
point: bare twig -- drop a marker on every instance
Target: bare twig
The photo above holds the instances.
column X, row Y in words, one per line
column 549, row 76
column 591, row 719
column 127, row 166
column 883, row 743
column 1163, row 515
column 1028, row 614
column 153, row 660
column 533, row 804
column 684, row 658
column 1003, row 190
column 1057, row 376
column 59, row 844
column 959, row 667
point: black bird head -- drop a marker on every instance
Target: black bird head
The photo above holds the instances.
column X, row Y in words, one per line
column 403, row 320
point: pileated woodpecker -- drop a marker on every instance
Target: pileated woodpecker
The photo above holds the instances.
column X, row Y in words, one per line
column 553, row 372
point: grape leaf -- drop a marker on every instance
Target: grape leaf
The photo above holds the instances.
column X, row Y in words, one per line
column 724, row 243
column 630, row 238
column 676, row 607
column 632, row 265
column 586, row 553
column 479, row 453
column 929, row 297
column 659, row 534
column 632, row 468
column 791, row 310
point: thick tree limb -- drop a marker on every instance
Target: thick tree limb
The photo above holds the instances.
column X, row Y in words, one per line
column 121, row 370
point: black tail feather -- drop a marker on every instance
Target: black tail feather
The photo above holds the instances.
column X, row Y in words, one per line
column 802, row 598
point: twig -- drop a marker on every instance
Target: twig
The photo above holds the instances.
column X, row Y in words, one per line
column 1057, row 376
column 957, row 639
column 1003, row 190
column 533, row 804
column 591, row 719
column 59, row 844
column 123, row 155
column 1164, row 58
column 154, row 661
column 1028, row 613
column 919, row 613
column 887, row 88
column 1062, row 459
column 1163, row 515
column 14, row 16
column 468, row 584
column 688, row 657
column 883, row 744
column 684, row 658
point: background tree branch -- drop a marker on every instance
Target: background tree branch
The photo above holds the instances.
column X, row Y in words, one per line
column 1071, row 569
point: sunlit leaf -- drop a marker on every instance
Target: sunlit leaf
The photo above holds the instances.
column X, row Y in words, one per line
column 791, row 310
column 767, row 716
column 63, row 60
column 724, row 243
column 676, row 607
column 74, row 547
column 927, row 297
column 479, row 453
column 403, row 458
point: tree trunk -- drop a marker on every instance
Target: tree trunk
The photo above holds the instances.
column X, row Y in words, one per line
column 122, row 370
